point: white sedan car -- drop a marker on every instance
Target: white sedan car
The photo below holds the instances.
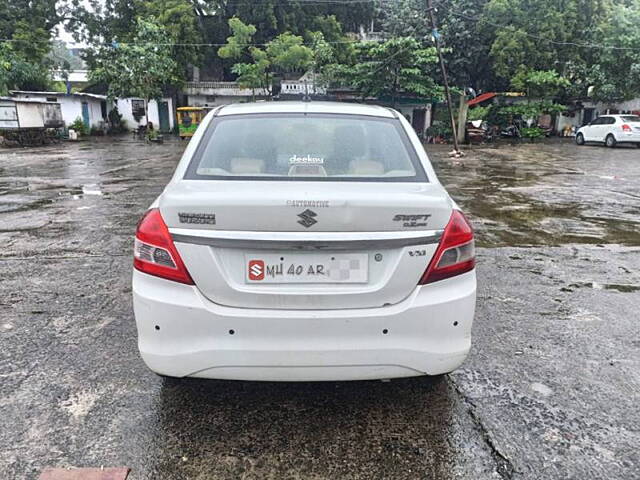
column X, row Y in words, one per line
column 611, row 130
column 304, row 241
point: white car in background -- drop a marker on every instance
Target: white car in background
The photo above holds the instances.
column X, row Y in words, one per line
column 611, row 130
column 304, row 241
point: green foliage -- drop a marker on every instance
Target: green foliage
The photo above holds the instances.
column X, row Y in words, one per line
column 618, row 74
column 241, row 36
column 532, row 26
column 285, row 53
column 116, row 123
column 398, row 65
column 28, row 24
column 532, row 132
column 179, row 20
column 492, row 41
column 79, row 126
column 538, row 83
column 531, row 110
column 337, row 48
column 138, row 69
column 17, row 73
column 100, row 22
column 440, row 129
column 478, row 113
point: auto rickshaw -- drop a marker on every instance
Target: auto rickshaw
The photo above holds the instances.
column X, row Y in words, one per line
column 188, row 120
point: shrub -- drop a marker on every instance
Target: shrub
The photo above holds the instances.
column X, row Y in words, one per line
column 532, row 132
column 478, row 113
column 439, row 129
column 116, row 123
column 79, row 126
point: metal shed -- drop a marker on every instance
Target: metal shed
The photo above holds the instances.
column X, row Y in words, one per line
column 25, row 121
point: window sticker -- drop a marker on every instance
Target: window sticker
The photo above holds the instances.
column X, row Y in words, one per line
column 305, row 160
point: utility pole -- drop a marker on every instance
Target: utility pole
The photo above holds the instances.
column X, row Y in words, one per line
column 456, row 149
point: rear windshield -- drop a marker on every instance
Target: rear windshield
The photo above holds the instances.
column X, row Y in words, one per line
column 306, row 147
column 631, row 119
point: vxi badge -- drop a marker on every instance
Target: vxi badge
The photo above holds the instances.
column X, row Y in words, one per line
column 412, row 221
column 306, row 218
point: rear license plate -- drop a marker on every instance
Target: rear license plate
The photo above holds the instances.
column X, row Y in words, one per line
column 307, row 268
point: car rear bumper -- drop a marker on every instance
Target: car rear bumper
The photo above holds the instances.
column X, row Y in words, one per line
column 632, row 137
column 181, row 333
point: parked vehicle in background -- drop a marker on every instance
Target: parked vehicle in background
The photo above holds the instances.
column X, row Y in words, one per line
column 304, row 241
column 479, row 131
column 188, row 120
column 611, row 130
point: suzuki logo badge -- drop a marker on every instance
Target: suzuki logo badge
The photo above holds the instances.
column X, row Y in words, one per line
column 306, row 218
column 256, row 270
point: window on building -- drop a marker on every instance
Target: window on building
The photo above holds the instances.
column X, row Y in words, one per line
column 137, row 109
column 52, row 99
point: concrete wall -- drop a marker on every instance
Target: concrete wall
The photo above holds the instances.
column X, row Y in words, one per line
column 72, row 109
column 563, row 121
column 124, row 107
column 71, row 106
column 602, row 108
column 30, row 115
column 206, row 101
column 407, row 112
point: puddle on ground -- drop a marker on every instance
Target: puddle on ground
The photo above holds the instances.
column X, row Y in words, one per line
column 91, row 189
column 619, row 287
column 545, row 194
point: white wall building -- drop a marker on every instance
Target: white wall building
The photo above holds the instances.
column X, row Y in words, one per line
column 161, row 114
column 91, row 108
column 212, row 94
column 591, row 110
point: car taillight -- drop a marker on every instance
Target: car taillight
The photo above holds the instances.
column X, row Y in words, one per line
column 456, row 252
column 154, row 251
column 626, row 128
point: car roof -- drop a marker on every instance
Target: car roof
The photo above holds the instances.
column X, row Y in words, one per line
column 306, row 107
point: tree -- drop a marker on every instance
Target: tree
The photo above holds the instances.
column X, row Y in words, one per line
column 16, row 73
column 541, row 35
column 398, row 65
column 538, row 83
column 138, row 69
column 179, row 20
column 467, row 45
column 405, row 18
column 107, row 21
column 617, row 76
column 284, row 54
column 28, row 24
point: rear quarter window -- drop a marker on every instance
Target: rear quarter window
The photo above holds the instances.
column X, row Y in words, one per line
column 313, row 147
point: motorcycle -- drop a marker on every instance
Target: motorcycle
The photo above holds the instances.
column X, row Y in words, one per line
column 478, row 131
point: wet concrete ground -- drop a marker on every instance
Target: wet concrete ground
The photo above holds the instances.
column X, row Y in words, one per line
column 550, row 390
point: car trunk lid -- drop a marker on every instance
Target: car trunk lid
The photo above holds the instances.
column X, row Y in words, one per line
column 260, row 244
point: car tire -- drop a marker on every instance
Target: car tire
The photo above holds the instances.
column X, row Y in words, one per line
column 580, row 139
column 610, row 141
